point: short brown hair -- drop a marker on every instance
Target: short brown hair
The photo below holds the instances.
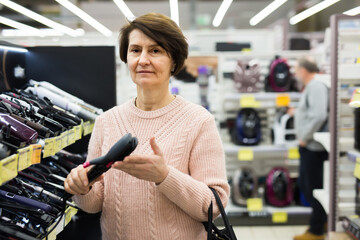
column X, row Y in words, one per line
column 309, row 64
column 163, row 31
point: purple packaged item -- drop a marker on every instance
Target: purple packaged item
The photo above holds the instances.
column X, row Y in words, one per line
column 279, row 187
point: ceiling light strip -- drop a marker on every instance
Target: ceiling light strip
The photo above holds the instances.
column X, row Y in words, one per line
column 311, row 11
column 86, row 17
column 266, row 11
column 15, row 49
column 353, row 12
column 124, row 9
column 21, row 26
column 221, row 12
column 39, row 18
column 174, row 11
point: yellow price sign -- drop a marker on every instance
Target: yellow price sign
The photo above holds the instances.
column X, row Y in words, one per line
column 254, row 204
column 52, row 234
column 36, row 153
column 64, row 139
column 357, row 60
column 69, row 213
column 49, row 147
column 86, row 127
column 293, row 153
column 282, row 100
column 24, row 159
column 71, row 136
column 248, row 101
column 279, row 217
column 57, row 144
column 357, row 168
column 8, row 168
column 245, row 154
column 78, row 132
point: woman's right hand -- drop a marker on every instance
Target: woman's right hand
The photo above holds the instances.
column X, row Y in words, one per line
column 77, row 181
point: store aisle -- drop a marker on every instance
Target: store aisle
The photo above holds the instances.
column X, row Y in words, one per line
column 268, row 232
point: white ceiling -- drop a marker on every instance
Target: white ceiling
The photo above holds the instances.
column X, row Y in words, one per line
column 191, row 13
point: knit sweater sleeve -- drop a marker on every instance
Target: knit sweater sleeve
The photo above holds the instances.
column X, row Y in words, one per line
column 207, row 169
column 92, row 201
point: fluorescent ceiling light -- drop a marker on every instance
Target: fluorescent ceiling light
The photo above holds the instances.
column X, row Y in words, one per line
column 86, row 17
column 20, row 33
column 15, row 49
column 23, row 27
column 221, row 12
column 174, row 11
column 39, row 18
column 311, row 11
column 125, row 10
column 266, row 11
column 353, row 12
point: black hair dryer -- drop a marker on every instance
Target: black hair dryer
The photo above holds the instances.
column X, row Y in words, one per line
column 122, row 148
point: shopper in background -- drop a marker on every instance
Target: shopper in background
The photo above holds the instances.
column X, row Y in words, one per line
column 161, row 191
column 311, row 116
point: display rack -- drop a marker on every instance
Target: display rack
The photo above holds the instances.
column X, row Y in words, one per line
column 32, row 154
column 345, row 36
column 266, row 155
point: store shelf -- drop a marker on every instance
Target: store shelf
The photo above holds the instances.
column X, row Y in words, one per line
column 248, row 153
column 263, row 99
column 240, row 216
column 32, row 154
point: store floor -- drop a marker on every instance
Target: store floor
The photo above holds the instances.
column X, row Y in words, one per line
column 268, row 232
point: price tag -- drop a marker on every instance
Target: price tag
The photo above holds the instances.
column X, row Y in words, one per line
column 71, row 136
column 69, row 213
column 49, row 147
column 57, row 144
column 254, row 204
column 24, row 159
column 52, row 234
column 357, row 60
column 36, row 153
column 248, row 101
column 279, row 217
column 77, row 130
column 357, row 168
column 86, row 127
column 64, row 139
column 246, row 154
column 282, row 100
column 8, row 168
column 293, row 153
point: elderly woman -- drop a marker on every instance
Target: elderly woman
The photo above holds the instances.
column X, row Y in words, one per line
column 160, row 191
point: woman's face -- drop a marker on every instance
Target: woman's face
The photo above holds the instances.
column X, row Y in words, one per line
column 149, row 64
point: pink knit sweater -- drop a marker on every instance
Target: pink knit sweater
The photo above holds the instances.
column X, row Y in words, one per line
column 137, row 209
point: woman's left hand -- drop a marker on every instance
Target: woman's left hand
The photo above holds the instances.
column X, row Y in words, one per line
column 148, row 167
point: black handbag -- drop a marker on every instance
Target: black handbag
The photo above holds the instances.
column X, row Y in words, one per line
column 215, row 233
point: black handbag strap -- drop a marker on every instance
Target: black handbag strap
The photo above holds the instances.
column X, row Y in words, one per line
column 228, row 231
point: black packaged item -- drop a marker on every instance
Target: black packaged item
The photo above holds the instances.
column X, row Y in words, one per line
column 357, row 128
column 247, row 129
column 247, row 76
column 280, row 78
column 244, row 186
column 279, row 187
